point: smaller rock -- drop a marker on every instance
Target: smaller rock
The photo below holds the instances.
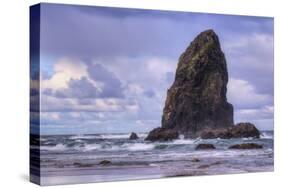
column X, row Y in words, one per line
column 105, row 162
column 208, row 134
column 215, row 133
column 195, row 160
column 82, row 165
column 133, row 136
column 205, row 146
column 244, row 130
column 240, row 130
column 246, row 146
column 216, row 163
column 203, row 166
column 162, row 134
column 162, row 146
column 209, row 165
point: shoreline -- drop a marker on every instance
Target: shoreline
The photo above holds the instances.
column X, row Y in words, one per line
column 125, row 174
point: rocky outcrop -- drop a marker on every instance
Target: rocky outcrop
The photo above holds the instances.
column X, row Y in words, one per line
column 246, row 146
column 162, row 134
column 195, row 160
column 82, row 165
column 240, row 130
column 215, row 133
column 244, row 130
column 105, row 162
column 133, row 136
column 197, row 98
column 205, row 146
column 209, row 165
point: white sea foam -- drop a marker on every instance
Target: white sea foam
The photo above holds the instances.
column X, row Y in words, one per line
column 114, row 136
column 266, row 135
column 90, row 147
column 249, row 138
column 79, row 137
column 107, row 136
column 181, row 136
column 108, row 147
column 183, row 141
column 153, row 165
column 121, row 136
column 43, row 139
column 138, row 146
column 58, row 147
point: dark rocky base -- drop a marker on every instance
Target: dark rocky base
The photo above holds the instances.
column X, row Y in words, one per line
column 246, row 146
column 162, row 134
column 105, row 162
column 240, row 130
column 205, row 146
column 195, row 160
column 80, row 165
column 133, row 136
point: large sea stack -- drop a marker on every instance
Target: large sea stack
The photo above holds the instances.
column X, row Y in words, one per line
column 197, row 98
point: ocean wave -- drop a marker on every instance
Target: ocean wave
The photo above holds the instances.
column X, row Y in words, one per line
column 115, row 136
column 106, row 136
column 78, row 143
column 183, row 141
column 249, row 138
column 58, row 147
column 81, row 137
column 266, row 135
column 113, row 142
column 138, row 146
column 89, row 147
column 99, row 147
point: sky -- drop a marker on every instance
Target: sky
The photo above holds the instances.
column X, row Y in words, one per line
column 107, row 70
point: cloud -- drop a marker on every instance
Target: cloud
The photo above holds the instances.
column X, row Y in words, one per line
column 145, row 92
column 149, row 71
column 250, row 57
column 78, row 88
column 109, row 32
column 75, row 79
column 83, row 98
column 76, row 32
column 111, row 85
column 242, row 94
column 265, row 112
column 149, row 93
column 262, row 117
column 54, row 104
column 64, row 70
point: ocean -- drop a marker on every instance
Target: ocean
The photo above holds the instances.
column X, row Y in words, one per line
column 66, row 159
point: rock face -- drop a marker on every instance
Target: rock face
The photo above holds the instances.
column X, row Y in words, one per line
column 240, row 130
column 243, row 130
column 195, row 160
column 133, row 136
column 215, row 133
column 246, row 146
column 197, row 98
column 105, row 162
column 82, row 165
column 205, row 146
column 162, row 134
